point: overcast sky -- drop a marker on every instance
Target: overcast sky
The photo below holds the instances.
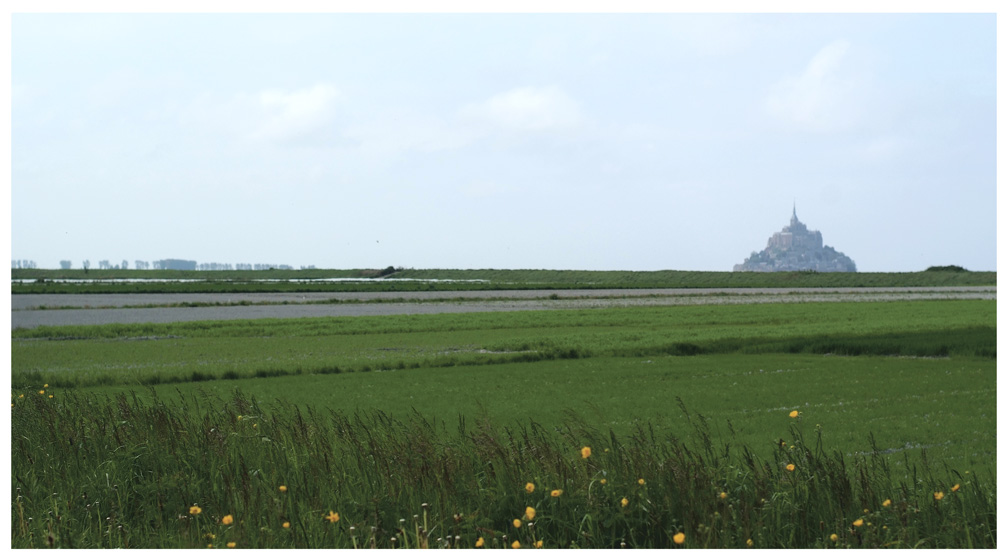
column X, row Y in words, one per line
column 567, row 141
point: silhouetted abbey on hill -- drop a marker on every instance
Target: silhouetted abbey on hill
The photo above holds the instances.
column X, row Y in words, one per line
column 797, row 248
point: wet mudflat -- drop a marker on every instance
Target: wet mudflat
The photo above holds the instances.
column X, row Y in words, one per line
column 95, row 309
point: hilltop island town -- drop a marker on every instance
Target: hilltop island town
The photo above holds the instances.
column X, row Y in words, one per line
column 797, row 248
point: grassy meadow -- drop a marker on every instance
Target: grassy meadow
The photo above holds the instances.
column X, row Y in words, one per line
column 38, row 281
column 862, row 425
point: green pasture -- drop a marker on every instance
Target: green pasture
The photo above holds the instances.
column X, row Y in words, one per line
column 910, row 372
column 159, row 353
column 946, row 407
column 425, row 431
column 38, row 281
column 883, row 453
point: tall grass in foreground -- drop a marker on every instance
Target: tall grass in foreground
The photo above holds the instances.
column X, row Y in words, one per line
column 126, row 472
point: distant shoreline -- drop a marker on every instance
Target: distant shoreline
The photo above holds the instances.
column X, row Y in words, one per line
column 108, row 281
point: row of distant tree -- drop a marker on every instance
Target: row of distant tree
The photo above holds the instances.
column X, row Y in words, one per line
column 163, row 264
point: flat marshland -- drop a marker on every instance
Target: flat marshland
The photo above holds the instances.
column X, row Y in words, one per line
column 840, row 424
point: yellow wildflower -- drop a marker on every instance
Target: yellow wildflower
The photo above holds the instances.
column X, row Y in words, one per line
column 479, row 542
column 516, row 523
column 46, row 385
column 794, row 414
column 939, row 495
column 227, row 519
column 790, row 467
column 955, row 488
column 333, row 517
column 748, row 542
column 723, row 495
column 679, row 538
column 887, row 503
column 516, row 544
column 603, row 481
column 624, row 502
column 858, row 522
column 41, row 391
column 530, row 513
column 539, row 544
column 833, row 537
column 282, row 488
column 556, row 493
column 530, row 487
column 286, row 524
column 232, row 544
column 50, row 396
column 195, row 510
column 640, row 481
column 585, row 452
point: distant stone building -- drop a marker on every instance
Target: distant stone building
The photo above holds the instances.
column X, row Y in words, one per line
column 797, row 248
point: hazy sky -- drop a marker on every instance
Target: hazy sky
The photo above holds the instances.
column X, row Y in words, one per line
column 594, row 141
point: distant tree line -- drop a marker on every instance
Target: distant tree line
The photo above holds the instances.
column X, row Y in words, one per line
column 23, row 263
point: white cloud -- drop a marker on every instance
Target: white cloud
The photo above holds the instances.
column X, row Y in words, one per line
column 527, row 109
column 520, row 110
column 393, row 132
column 289, row 114
column 823, row 98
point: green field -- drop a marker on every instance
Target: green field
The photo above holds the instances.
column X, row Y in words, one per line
column 371, row 417
column 38, row 281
